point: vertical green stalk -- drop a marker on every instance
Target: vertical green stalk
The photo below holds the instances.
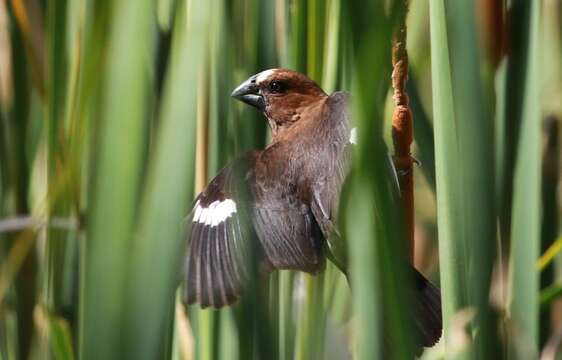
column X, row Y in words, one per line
column 57, row 175
column 93, row 50
column 219, row 150
column 165, row 13
column 118, row 148
column 283, row 33
column 373, row 225
column 155, row 259
column 452, row 247
column 16, row 321
column 315, row 39
column 221, row 83
column 552, row 81
column 516, row 72
column 228, row 346
column 298, row 16
column 309, row 342
column 331, row 46
column 286, row 326
column 475, row 136
column 365, row 300
column 205, row 329
column 274, row 312
column 267, row 56
column 526, row 215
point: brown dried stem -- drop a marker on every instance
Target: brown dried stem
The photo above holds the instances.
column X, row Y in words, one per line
column 402, row 130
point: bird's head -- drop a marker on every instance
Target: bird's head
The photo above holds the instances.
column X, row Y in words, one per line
column 282, row 95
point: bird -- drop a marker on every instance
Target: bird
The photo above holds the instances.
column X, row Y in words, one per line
column 279, row 203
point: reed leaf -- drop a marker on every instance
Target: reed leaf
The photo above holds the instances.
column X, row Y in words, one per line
column 120, row 132
column 452, row 243
column 526, row 216
column 475, row 136
column 374, row 195
column 155, row 258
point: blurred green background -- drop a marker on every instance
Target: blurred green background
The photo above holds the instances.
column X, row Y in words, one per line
column 115, row 113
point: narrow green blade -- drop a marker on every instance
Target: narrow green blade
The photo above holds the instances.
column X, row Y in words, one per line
column 155, row 257
column 526, row 215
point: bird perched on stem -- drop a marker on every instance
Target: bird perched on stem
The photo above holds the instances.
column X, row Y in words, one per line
column 278, row 204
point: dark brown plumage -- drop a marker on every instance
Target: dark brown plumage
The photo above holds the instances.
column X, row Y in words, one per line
column 288, row 193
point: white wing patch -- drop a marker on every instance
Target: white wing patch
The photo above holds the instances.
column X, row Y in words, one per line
column 215, row 213
column 353, row 136
column 263, row 75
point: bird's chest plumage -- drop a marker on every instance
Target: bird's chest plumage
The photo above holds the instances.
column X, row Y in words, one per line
column 280, row 189
column 287, row 171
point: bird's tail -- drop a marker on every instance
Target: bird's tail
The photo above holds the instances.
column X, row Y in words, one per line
column 426, row 310
column 425, row 302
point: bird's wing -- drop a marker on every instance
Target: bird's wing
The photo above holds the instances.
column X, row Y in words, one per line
column 326, row 191
column 284, row 223
column 219, row 240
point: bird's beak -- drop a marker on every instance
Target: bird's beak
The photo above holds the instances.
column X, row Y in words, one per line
column 248, row 92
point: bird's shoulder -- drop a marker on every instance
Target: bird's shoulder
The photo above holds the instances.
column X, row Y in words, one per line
column 336, row 114
column 339, row 98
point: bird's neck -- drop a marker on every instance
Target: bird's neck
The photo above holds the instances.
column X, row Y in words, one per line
column 295, row 122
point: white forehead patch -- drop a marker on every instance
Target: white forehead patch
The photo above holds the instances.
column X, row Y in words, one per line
column 216, row 213
column 263, row 76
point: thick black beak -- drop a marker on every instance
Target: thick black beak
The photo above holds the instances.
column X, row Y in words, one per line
column 248, row 92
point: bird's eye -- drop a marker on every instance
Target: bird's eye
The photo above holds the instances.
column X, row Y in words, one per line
column 277, row 87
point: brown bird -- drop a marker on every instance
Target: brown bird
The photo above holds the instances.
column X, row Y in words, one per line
column 285, row 196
